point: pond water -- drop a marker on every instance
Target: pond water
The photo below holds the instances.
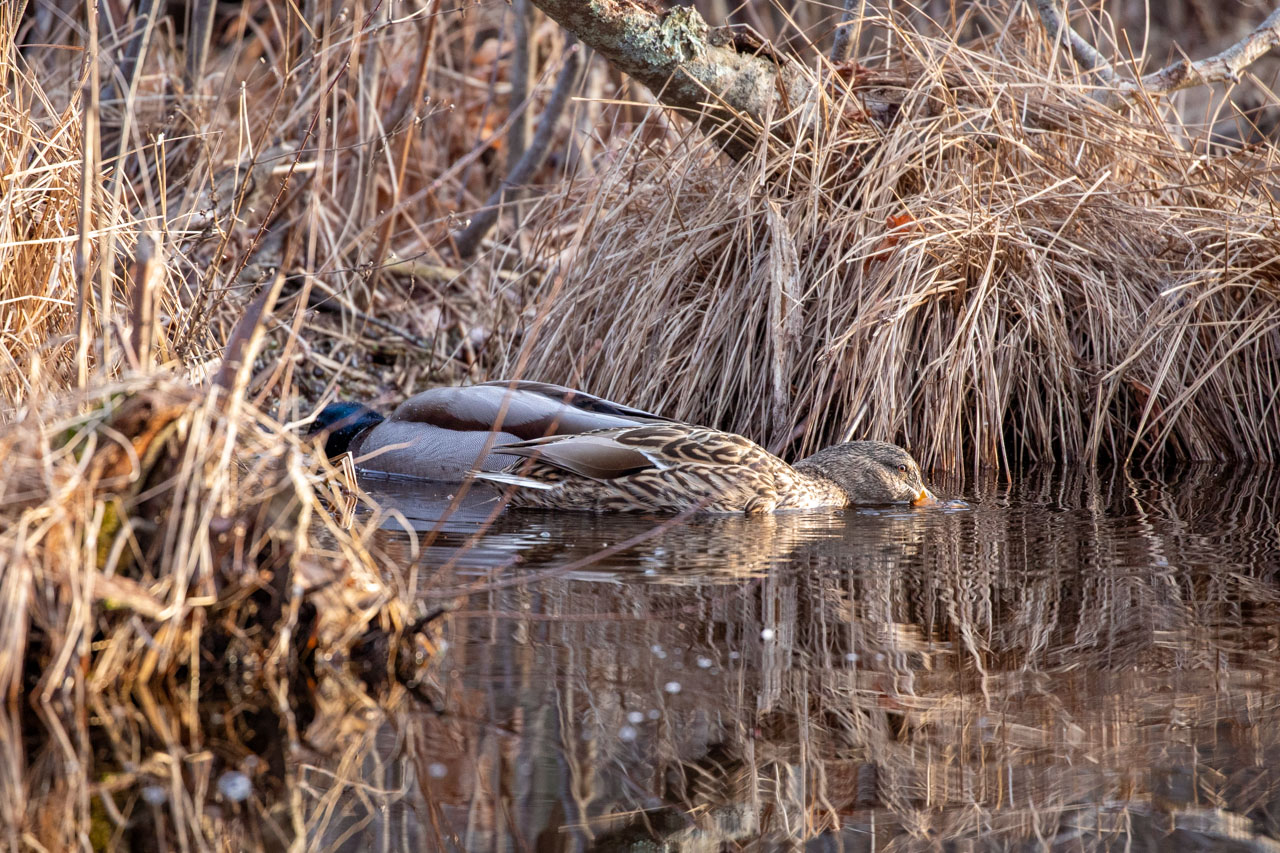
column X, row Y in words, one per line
column 1065, row 662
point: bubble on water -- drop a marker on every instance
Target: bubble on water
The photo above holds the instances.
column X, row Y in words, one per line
column 650, row 571
column 635, row 718
column 768, row 634
column 436, row 770
column 627, row 733
column 546, row 534
column 852, row 657
column 235, row 786
column 734, row 655
column 880, row 657
column 658, row 651
column 154, row 795
column 672, row 687
column 704, row 663
column 654, row 714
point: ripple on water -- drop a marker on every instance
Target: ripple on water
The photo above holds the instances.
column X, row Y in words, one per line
column 1071, row 657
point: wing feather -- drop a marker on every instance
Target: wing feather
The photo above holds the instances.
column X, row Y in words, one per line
column 597, row 455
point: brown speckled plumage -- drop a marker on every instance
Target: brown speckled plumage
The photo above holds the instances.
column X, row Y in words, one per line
column 674, row 467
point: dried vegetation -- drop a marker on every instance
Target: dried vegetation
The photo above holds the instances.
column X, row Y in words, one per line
column 978, row 260
column 974, row 260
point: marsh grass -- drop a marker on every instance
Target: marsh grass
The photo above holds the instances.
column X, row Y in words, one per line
column 975, row 260
column 990, row 269
column 182, row 608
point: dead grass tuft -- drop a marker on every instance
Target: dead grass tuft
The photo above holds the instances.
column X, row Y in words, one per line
column 1010, row 272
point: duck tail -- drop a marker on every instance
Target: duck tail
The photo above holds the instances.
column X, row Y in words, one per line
column 511, row 480
column 342, row 423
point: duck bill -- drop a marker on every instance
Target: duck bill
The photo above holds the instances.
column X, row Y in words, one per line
column 925, row 498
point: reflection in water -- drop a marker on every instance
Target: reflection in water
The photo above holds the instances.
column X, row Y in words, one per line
column 1067, row 663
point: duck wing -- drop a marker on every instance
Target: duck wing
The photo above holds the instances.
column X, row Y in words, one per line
column 580, row 400
column 598, row 456
column 526, row 410
column 613, row 453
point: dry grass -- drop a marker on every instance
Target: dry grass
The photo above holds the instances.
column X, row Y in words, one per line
column 1009, row 272
column 181, row 609
column 1064, row 282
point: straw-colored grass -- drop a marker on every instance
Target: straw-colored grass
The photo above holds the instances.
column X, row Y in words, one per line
column 1010, row 272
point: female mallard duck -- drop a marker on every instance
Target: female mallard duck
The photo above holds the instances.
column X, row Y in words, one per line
column 582, row 452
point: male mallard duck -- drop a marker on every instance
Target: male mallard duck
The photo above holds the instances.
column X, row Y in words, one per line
column 442, row 433
column 582, row 452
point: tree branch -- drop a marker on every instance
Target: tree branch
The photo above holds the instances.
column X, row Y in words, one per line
column 469, row 238
column 1084, row 53
column 1183, row 74
column 1226, row 65
column 733, row 86
column 842, row 46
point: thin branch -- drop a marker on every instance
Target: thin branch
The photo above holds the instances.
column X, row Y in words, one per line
column 1225, row 66
column 846, row 31
column 1183, row 74
column 482, row 223
column 1084, row 53
column 199, row 37
column 521, row 72
column 409, row 109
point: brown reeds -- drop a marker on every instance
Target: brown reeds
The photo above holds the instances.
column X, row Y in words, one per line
column 184, row 618
column 1010, row 272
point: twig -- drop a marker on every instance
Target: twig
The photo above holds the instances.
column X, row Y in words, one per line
column 469, row 238
column 1084, row 53
column 521, row 71
column 844, row 39
column 1183, row 74
column 428, row 30
column 199, row 36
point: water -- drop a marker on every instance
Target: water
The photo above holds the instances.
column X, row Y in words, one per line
column 1067, row 662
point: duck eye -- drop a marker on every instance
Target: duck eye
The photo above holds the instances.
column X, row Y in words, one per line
column 903, row 468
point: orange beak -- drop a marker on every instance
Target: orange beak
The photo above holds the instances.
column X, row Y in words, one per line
column 925, row 498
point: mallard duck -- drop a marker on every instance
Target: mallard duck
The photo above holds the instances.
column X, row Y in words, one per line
column 673, row 467
column 563, row 449
column 446, row 433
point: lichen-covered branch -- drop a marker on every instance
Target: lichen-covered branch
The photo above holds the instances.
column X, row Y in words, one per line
column 733, row 86
column 1225, row 66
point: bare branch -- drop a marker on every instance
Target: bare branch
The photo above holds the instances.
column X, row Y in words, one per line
column 1225, row 66
column 1084, row 53
column 728, row 82
column 534, row 156
column 844, row 38
column 521, row 72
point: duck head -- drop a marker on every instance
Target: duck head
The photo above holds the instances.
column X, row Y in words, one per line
column 343, row 423
column 871, row 472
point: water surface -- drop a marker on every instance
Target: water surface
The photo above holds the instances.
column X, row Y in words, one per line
column 1067, row 662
